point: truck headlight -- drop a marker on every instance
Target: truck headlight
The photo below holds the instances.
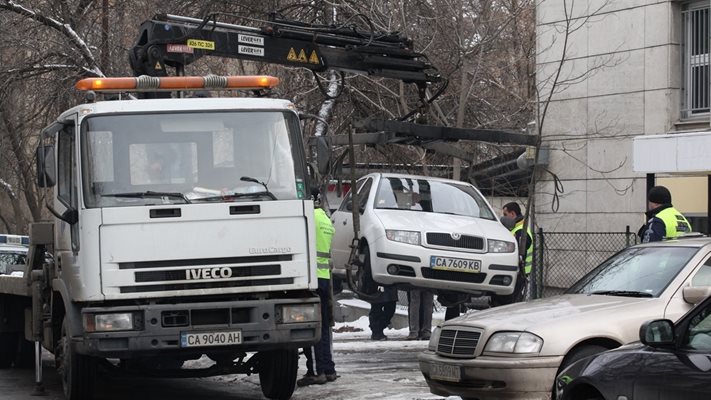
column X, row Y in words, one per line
column 514, row 342
column 108, row 322
column 293, row 313
column 501, row 246
column 408, row 237
column 434, row 339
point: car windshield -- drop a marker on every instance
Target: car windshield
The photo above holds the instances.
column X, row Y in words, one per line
column 635, row 271
column 172, row 158
column 425, row 195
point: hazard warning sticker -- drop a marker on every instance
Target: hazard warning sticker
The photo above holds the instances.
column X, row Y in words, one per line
column 302, row 57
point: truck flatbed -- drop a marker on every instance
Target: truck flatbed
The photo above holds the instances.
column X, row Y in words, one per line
column 16, row 285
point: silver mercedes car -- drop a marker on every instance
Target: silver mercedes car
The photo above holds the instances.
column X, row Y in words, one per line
column 515, row 351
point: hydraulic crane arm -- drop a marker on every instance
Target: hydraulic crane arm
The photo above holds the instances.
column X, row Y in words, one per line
column 175, row 41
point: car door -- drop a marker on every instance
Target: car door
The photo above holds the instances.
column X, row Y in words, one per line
column 343, row 223
column 687, row 368
column 700, row 277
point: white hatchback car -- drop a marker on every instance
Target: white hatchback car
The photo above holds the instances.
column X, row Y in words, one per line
column 426, row 232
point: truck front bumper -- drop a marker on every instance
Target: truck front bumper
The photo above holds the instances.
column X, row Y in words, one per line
column 158, row 328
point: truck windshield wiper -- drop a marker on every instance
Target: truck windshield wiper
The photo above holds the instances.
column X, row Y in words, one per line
column 627, row 293
column 253, row 180
column 228, row 196
column 148, row 194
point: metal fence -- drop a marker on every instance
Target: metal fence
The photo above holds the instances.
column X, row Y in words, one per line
column 561, row 258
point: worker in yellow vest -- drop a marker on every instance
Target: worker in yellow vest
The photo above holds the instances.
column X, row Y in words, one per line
column 663, row 220
column 325, row 367
column 512, row 211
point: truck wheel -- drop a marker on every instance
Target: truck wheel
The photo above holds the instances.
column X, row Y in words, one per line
column 78, row 372
column 8, row 349
column 277, row 373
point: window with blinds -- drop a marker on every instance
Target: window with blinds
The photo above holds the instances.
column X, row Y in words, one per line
column 696, row 59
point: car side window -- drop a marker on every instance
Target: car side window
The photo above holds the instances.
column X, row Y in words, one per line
column 698, row 335
column 363, row 192
column 703, row 275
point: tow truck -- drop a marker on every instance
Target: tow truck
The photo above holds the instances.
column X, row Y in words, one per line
column 171, row 41
column 182, row 225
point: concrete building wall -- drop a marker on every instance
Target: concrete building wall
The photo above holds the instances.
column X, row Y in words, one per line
column 621, row 78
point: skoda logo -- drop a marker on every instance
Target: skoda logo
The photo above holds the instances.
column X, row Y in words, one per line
column 455, row 236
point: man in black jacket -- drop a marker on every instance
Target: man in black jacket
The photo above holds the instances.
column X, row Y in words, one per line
column 663, row 220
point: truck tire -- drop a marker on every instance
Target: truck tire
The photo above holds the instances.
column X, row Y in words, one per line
column 78, row 372
column 277, row 373
column 8, row 349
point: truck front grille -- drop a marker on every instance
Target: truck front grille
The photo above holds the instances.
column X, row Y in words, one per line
column 167, row 275
column 446, row 240
column 458, row 343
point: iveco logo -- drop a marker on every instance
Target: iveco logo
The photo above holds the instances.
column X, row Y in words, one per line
column 455, row 236
column 208, row 273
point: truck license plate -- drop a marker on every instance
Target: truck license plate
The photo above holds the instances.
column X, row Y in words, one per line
column 442, row 372
column 455, row 264
column 202, row 339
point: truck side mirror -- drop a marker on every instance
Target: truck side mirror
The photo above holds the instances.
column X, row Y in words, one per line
column 70, row 215
column 46, row 172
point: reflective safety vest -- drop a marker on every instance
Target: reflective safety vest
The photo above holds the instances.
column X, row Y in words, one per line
column 324, row 234
column 674, row 223
column 528, row 258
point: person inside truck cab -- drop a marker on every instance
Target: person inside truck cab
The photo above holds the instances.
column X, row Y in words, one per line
column 165, row 164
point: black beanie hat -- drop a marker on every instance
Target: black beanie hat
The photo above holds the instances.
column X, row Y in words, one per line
column 659, row 195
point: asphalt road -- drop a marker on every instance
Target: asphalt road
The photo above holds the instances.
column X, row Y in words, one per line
column 368, row 370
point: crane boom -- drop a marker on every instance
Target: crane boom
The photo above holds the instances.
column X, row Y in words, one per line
column 176, row 41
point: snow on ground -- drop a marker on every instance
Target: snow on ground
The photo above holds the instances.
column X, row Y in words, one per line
column 368, row 369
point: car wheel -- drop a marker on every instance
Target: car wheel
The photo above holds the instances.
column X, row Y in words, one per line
column 581, row 352
column 361, row 280
column 576, row 354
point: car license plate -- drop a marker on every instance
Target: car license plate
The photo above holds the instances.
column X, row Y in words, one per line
column 202, row 339
column 455, row 264
column 444, row 372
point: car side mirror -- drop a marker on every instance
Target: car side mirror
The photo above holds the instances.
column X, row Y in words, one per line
column 695, row 295
column 657, row 333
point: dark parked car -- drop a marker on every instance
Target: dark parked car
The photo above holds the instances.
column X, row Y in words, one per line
column 672, row 361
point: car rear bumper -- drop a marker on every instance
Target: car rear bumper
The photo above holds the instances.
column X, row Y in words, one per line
column 394, row 263
column 494, row 377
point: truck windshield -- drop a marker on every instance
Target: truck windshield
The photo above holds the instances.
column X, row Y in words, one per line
column 431, row 196
column 166, row 158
